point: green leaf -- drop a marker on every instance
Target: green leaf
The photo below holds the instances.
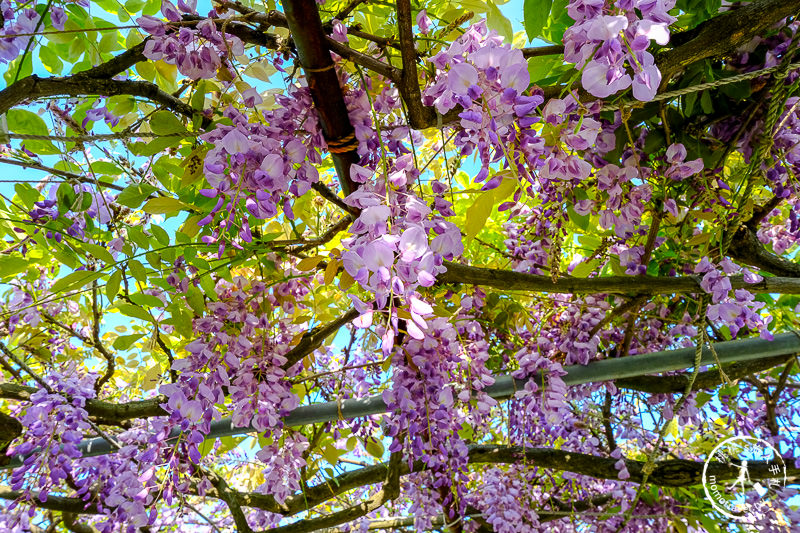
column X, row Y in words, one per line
column 106, row 167
column 27, row 194
column 206, row 447
column 154, row 146
column 558, row 22
column 164, row 123
column 541, row 67
column 477, row 214
column 154, row 260
column 536, row 13
column 75, row 280
column 706, row 104
column 497, row 21
column 28, row 123
column 138, row 270
column 146, row 300
column 137, row 236
column 100, row 252
column 68, row 199
column 163, row 205
column 124, row 342
column 228, row 443
column 181, row 318
column 11, row 265
column 108, row 43
column 209, row 287
column 195, row 300
column 133, row 195
column 584, row 269
column 49, row 58
column 133, row 311
column 160, row 235
column 112, row 285
column 582, row 221
column 374, row 447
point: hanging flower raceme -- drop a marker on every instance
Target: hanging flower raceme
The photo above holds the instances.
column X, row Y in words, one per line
column 198, row 52
column 260, row 165
column 241, row 352
column 739, row 310
column 608, row 39
column 55, row 421
column 398, row 245
column 23, row 22
column 437, row 391
column 489, row 80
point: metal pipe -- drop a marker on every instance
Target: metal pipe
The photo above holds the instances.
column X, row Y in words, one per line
column 505, row 386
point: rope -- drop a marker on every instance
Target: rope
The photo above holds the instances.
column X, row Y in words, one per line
column 99, row 136
column 348, row 143
column 776, row 106
column 701, row 87
column 321, row 69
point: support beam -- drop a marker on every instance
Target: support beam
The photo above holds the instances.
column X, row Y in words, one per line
column 505, row 386
column 310, row 40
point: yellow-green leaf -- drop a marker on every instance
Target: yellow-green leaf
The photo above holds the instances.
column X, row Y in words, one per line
column 112, row 286
column 309, row 263
column 163, row 205
column 75, row 280
column 477, row 214
column 100, row 252
column 374, row 447
column 123, row 342
column 134, row 311
column 10, row 265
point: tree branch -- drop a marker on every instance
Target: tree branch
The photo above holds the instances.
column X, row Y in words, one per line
column 313, row 338
column 303, row 19
column 34, row 87
column 54, row 503
column 339, row 517
column 230, row 497
column 668, row 473
column 631, row 285
column 98, row 344
column 420, row 116
column 747, row 249
column 738, row 26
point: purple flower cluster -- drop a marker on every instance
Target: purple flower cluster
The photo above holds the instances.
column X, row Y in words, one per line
column 608, row 39
column 241, row 351
column 390, row 253
column 259, row 165
column 198, row 52
column 784, row 233
column 23, row 21
column 506, row 500
column 488, row 80
column 22, row 305
column 631, row 200
column 569, row 122
column 54, row 424
column 739, row 311
column 436, row 391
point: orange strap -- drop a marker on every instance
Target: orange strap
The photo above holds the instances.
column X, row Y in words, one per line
column 347, row 143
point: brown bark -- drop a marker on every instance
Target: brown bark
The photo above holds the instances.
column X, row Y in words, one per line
column 303, row 19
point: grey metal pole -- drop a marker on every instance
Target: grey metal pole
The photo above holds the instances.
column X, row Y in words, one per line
column 505, row 386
